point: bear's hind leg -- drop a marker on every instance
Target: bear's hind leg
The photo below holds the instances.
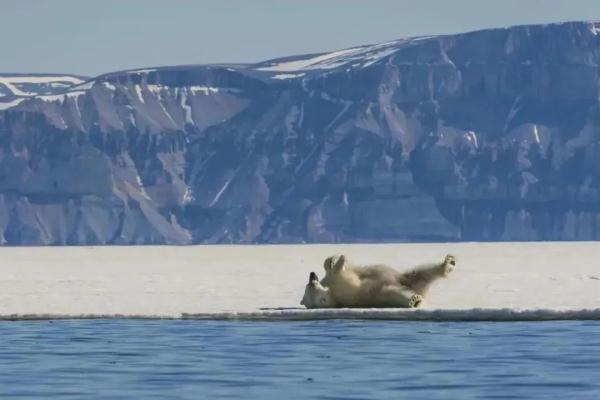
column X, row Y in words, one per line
column 415, row 301
column 448, row 265
column 397, row 296
column 420, row 279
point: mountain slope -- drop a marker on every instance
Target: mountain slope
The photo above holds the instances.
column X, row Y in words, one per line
column 489, row 135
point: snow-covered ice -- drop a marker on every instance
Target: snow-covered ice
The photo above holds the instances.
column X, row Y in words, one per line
column 502, row 281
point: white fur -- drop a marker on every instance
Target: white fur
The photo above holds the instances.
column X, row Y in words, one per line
column 345, row 285
column 317, row 296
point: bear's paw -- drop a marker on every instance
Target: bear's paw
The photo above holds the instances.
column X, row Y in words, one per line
column 449, row 264
column 415, row 301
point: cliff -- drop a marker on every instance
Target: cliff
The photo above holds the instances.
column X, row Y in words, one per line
column 489, row 135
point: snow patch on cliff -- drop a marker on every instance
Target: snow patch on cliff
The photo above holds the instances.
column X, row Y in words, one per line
column 355, row 57
column 26, row 86
column 288, row 76
column 10, row 104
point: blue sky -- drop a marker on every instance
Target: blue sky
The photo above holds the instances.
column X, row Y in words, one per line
column 92, row 37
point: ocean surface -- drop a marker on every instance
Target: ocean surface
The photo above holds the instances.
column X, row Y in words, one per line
column 174, row 359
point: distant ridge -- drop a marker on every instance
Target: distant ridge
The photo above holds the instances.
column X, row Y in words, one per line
column 492, row 135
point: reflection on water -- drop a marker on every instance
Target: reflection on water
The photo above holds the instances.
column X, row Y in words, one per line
column 130, row 359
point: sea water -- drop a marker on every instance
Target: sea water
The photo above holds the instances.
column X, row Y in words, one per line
column 136, row 359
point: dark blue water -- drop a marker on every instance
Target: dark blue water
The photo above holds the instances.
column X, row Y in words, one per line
column 128, row 359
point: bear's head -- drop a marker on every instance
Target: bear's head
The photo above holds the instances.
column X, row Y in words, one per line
column 317, row 295
column 334, row 264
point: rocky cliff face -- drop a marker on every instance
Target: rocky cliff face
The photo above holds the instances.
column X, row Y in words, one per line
column 490, row 135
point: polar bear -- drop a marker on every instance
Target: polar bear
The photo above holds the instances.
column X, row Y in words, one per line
column 372, row 285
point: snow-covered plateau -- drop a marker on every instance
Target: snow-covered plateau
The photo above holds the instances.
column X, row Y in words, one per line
column 502, row 281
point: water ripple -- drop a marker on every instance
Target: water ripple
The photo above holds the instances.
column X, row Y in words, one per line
column 111, row 359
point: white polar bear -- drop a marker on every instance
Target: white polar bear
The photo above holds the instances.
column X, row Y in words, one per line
column 372, row 285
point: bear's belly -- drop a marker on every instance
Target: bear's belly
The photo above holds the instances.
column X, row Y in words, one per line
column 345, row 290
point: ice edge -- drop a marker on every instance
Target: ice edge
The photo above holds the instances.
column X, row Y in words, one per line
column 475, row 314
column 438, row 315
